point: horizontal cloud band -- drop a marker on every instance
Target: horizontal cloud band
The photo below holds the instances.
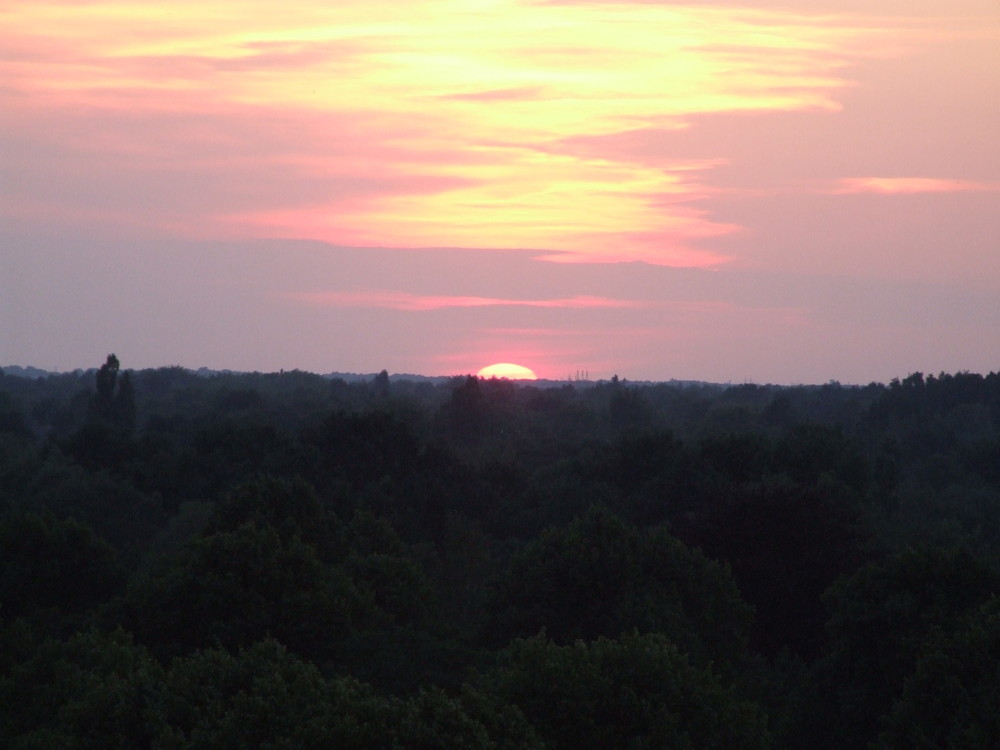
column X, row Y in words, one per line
column 909, row 185
column 415, row 302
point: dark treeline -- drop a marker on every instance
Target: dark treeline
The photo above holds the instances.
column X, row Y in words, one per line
column 291, row 561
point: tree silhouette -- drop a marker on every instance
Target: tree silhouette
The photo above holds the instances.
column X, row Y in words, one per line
column 114, row 402
column 380, row 385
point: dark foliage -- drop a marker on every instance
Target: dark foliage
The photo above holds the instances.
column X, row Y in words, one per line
column 286, row 560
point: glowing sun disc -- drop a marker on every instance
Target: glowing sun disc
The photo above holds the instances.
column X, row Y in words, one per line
column 507, row 370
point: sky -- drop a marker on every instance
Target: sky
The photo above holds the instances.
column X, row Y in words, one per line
column 770, row 191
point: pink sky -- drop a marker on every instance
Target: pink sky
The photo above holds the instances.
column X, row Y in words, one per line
column 782, row 191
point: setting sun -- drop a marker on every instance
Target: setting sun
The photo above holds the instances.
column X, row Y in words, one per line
column 507, row 370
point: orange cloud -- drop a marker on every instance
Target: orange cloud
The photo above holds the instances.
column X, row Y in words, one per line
column 910, row 185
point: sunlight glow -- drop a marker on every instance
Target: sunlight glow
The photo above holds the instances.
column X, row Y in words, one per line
column 507, row 370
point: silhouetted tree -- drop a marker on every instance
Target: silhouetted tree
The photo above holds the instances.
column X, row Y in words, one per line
column 114, row 402
column 466, row 411
column 380, row 385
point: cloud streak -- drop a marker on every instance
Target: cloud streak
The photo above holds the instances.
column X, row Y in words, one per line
column 424, row 303
column 911, row 185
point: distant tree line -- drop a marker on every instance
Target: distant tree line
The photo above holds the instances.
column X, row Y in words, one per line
column 288, row 560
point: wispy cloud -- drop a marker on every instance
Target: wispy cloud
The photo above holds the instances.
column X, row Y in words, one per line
column 416, row 302
column 910, row 185
column 520, row 93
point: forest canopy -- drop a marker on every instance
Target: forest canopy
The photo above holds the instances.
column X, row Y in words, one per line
column 293, row 560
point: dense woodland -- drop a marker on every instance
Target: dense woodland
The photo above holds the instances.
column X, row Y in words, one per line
column 294, row 561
